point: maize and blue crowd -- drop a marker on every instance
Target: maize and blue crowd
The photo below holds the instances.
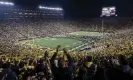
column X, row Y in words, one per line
column 113, row 62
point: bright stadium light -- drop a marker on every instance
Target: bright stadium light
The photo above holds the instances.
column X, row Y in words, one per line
column 40, row 7
column 50, row 8
column 1, row 2
column 60, row 9
column 6, row 3
column 12, row 4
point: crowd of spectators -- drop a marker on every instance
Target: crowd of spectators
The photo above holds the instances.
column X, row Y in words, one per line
column 15, row 30
column 66, row 66
column 113, row 62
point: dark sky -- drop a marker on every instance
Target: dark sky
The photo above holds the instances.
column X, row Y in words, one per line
column 83, row 8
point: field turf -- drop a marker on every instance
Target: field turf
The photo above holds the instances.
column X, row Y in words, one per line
column 65, row 42
column 54, row 42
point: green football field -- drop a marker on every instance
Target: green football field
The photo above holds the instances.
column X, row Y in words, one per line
column 54, row 42
column 65, row 42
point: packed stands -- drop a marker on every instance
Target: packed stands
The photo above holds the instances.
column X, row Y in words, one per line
column 110, row 59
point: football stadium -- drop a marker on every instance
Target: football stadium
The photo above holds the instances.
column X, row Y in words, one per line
column 66, row 40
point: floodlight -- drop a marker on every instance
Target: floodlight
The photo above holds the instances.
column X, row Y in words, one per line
column 1, row 2
column 6, row 3
column 57, row 8
column 50, row 8
column 61, row 9
column 11, row 4
column 40, row 7
column 53, row 8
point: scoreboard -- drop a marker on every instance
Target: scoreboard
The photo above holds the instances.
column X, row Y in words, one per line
column 108, row 11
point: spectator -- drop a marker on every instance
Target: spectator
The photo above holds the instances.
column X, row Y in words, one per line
column 7, row 73
column 62, row 71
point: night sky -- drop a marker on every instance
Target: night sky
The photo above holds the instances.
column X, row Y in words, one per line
column 83, row 8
